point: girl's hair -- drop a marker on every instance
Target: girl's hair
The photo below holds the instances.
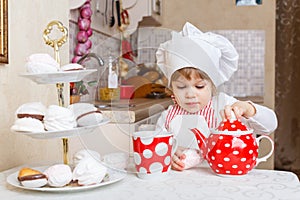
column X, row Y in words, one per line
column 191, row 72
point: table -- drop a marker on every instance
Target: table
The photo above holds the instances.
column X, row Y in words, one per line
column 199, row 183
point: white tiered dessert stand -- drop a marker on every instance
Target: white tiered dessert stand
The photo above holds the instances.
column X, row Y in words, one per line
column 59, row 78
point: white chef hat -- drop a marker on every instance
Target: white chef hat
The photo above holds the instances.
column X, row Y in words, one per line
column 209, row 52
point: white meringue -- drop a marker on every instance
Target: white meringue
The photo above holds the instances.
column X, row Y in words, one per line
column 28, row 124
column 36, row 183
column 89, row 172
column 59, row 118
column 41, row 63
column 86, row 114
column 90, row 119
column 80, row 108
column 85, row 153
column 71, row 67
column 32, row 108
column 39, row 68
column 58, row 175
column 192, row 158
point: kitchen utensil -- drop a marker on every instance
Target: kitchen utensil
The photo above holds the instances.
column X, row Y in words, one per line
column 105, row 12
column 125, row 17
column 153, row 151
column 112, row 17
column 118, row 9
column 231, row 149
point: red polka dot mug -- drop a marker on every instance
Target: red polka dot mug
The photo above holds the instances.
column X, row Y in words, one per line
column 152, row 152
column 231, row 149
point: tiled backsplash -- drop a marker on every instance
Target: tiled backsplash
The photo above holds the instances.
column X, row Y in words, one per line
column 248, row 80
column 250, row 44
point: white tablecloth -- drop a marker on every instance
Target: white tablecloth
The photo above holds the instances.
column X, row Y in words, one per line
column 192, row 184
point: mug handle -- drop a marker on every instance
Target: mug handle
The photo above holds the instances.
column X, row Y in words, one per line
column 174, row 146
column 264, row 158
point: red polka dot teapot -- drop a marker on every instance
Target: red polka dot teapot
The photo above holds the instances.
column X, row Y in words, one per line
column 232, row 148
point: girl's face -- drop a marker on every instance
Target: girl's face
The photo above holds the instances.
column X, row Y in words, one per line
column 192, row 95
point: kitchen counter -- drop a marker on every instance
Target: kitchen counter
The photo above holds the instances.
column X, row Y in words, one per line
column 132, row 110
column 198, row 183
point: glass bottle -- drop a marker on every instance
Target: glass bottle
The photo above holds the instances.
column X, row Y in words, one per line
column 109, row 81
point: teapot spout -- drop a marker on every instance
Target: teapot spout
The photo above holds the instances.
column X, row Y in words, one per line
column 201, row 139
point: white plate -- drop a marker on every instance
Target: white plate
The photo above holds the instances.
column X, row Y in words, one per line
column 65, row 133
column 59, row 77
column 114, row 176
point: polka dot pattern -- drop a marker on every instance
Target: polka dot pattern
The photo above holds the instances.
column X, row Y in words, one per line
column 152, row 154
column 232, row 155
column 235, row 125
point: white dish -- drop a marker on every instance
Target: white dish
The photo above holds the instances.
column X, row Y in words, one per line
column 65, row 133
column 59, row 77
column 114, row 176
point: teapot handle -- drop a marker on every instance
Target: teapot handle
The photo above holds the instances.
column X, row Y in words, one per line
column 264, row 158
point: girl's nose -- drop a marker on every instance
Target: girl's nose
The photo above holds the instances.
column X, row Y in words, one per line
column 190, row 93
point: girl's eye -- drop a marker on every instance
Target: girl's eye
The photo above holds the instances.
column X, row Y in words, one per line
column 200, row 86
column 180, row 87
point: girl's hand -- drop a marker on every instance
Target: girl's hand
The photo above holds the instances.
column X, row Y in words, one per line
column 240, row 109
column 177, row 164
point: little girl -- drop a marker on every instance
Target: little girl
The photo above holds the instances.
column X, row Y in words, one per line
column 196, row 64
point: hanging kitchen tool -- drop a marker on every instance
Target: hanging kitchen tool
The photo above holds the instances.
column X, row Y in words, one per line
column 112, row 17
column 118, row 9
column 125, row 17
column 104, row 12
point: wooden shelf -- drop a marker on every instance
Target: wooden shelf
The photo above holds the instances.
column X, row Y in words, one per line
column 132, row 110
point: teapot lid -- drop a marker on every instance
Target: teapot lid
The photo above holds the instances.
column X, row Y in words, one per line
column 232, row 125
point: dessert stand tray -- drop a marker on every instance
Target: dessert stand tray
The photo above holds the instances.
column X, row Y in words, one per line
column 58, row 77
column 65, row 133
column 113, row 176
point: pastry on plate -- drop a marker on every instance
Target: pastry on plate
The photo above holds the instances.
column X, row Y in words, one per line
column 34, row 110
column 28, row 124
column 41, row 63
column 86, row 114
column 85, row 153
column 58, row 175
column 72, row 67
column 59, row 118
column 32, row 178
column 89, row 172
